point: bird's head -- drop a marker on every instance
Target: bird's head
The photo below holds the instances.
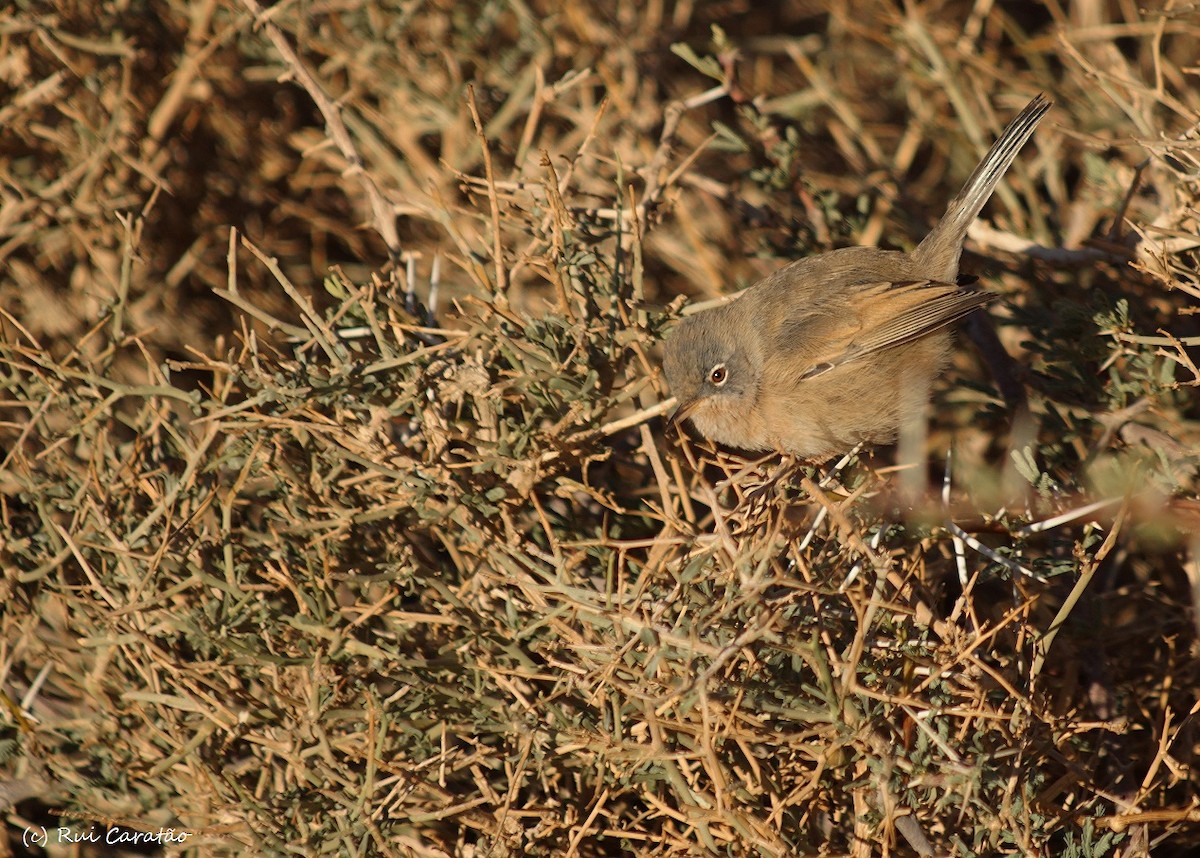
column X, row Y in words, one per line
column 713, row 368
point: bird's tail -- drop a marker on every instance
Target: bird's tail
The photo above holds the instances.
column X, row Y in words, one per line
column 938, row 253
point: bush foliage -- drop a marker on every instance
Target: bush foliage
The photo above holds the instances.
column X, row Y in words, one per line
column 338, row 512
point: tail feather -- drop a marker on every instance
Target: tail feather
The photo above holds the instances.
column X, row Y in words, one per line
column 940, row 250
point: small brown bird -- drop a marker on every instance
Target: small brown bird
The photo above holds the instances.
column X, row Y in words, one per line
column 838, row 348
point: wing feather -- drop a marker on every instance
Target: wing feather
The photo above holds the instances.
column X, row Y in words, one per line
column 880, row 316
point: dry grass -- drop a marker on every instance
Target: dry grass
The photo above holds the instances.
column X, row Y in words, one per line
column 332, row 568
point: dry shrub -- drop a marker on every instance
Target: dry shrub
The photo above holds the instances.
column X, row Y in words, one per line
column 296, row 561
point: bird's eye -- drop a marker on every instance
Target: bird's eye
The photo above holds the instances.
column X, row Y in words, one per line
column 718, row 374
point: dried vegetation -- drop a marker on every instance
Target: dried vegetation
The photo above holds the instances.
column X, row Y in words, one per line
column 299, row 558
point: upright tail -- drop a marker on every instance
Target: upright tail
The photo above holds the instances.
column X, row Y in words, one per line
column 940, row 250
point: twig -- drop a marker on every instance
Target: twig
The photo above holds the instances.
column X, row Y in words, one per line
column 381, row 210
column 501, row 287
column 1085, row 577
column 990, row 238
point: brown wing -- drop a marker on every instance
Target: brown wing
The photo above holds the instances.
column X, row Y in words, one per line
column 916, row 310
column 813, row 338
column 885, row 316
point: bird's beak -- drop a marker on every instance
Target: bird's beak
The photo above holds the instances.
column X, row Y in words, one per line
column 683, row 412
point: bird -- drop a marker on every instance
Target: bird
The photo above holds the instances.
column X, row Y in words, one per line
column 840, row 348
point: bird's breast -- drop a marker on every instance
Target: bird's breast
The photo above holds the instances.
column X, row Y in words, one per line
column 734, row 424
